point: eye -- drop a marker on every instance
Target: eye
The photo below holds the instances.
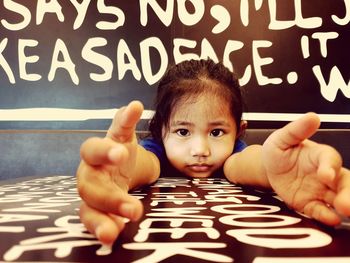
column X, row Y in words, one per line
column 216, row 133
column 183, row 132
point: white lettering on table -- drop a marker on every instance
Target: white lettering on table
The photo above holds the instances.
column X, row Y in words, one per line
column 166, row 250
column 289, row 237
column 58, row 242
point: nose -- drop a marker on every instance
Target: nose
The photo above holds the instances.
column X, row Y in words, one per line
column 200, row 147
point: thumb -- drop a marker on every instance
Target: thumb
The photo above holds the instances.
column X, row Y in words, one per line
column 124, row 122
column 295, row 132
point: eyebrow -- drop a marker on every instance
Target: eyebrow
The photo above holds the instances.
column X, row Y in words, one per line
column 220, row 123
column 187, row 123
column 181, row 123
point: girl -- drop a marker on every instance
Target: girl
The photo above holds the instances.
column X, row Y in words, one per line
column 195, row 132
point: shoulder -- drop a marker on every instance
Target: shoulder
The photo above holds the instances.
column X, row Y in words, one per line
column 240, row 145
column 154, row 146
column 148, row 142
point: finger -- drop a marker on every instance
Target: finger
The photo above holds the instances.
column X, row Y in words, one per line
column 103, row 151
column 322, row 212
column 101, row 193
column 295, row 132
column 124, row 123
column 329, row 163
column 106, row 228
column 342, row 200
column 329, row 197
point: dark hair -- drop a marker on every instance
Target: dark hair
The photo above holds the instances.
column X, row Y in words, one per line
column 189, row 79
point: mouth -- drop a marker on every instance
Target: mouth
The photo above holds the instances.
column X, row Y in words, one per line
column 200, row 168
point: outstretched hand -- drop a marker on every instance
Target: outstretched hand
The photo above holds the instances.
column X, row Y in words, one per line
column 308, row 176
column 104, row 176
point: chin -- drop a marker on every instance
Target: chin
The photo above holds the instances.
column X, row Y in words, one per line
column 199, row 175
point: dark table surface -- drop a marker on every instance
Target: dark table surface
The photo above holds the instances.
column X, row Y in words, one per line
column 199, row 220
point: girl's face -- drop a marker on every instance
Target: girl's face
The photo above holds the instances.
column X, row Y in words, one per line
column 201, row 136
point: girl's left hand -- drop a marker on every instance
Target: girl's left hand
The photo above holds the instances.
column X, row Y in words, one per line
column 308, row 176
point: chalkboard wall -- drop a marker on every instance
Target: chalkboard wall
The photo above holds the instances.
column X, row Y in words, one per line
column 58, row 56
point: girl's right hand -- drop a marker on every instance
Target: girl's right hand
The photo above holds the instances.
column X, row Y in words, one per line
column 103, row 176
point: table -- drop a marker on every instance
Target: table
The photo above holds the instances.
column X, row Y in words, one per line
column 198, row 220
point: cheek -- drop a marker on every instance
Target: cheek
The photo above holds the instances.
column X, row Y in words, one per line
column 223, row 150
column 172, row 148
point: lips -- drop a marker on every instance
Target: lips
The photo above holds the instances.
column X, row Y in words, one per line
column 200, row 168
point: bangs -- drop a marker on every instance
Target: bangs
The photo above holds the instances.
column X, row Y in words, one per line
column 188, row 92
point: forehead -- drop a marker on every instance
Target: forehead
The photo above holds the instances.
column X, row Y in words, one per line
column 205, row 108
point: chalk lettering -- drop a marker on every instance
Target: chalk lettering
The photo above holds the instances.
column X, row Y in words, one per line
column 24, row 60
column 62, row 248
column 299, row 20
column 336, row 82
column 22, row 196
column 37, row 208
column 178, row 201
column 59, row 199
column 81, row 12
column 123, row 51
column 237, row 209
column 176, row 232
column 176, row 198
column 10, row 218
column 323, row 37
column 172, row 195
column 231, row 46
column 97, row 59
column 188, row 18
column 112, row 10
column 165, row 250
column 179, row 43
column 66, row 63
column 3, row 62
column 20, row 10
column 346, row 19
column 165, row 16
column 259, row 62
column 219, row 191
column 243, row 220
column 171, row 183
column 145, row 47
column 184, row 212
column 234, row 198
column 289, row 237
column 175, row 222
column 304, row 43
column 208, row 187
column 244, row 10
column 44, row 7
column 12, row 229
column 211, row 181
column 65, row 229
column 222, row 15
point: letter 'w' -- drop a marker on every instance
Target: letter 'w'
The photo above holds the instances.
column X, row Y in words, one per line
column 336, row 82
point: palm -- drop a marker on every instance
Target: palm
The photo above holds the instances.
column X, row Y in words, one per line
column 104, row 176
column 301, row 171
column 293, row 175
column 119, row 174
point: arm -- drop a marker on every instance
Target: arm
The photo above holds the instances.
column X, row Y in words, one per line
column 147, row 168
column 111, row 166
column 246, row 167
column 308, row 176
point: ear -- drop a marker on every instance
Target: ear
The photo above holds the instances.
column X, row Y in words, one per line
column 243, row 126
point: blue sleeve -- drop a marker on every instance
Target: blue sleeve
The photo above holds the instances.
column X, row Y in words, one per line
column 239, row 146
column 154, row 147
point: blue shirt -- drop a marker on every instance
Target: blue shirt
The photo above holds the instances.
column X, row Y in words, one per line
column 157, row 148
